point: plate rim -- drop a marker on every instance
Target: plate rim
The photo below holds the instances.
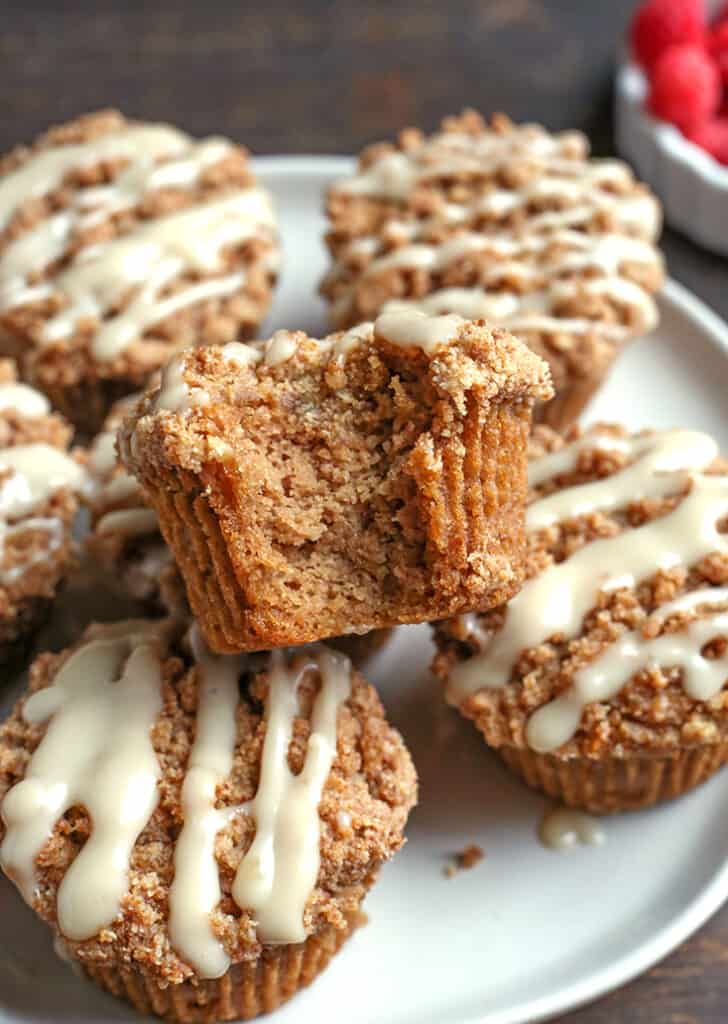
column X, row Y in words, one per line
column 597, row 983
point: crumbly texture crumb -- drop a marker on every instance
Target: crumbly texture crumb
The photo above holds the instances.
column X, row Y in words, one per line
column 32, row 566
column 465, row 859
column 82, row 386
column 321, row 496
column 544, row 200
column 652, row 714
column 366, row 800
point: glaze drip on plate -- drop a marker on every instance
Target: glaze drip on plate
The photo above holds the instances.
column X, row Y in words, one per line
column 564, row 828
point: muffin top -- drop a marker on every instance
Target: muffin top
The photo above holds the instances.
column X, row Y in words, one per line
column 496, row 220
column 110, row 227
column 39, row 484
column 125, row 538
column 169, row 808
column 617, row 641
column 208, row 397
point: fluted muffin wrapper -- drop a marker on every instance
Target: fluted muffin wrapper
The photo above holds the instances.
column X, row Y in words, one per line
column 611, row 784
column 246, row 990
column 472, row 495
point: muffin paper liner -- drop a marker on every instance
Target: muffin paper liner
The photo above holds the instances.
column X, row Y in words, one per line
column 616, row 784
column 471, row 497
column 244, row 991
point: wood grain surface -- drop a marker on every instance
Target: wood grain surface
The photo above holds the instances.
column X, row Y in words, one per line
column 320, row 77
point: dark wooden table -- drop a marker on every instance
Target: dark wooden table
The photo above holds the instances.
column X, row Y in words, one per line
column 320, row 77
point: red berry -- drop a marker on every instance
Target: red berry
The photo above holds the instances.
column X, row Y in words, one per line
column 712, row 136
column 662, row 23
column 685, row 87
column 718, row 48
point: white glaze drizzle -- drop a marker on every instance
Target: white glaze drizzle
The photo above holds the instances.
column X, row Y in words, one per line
column 536, row 310
column 132, row 522
column 24, row 400
column 556, row 600
column 36, row 249
column 566, row 252
column 148, row 260
column 34, row 473
column 566, row 459
column 395, row 174
column 44, row 171
column 195, row 891
column 404, row 328
column 174, row 395
column 97, row 753
column 658, row 457
column 555, row 723
column 417, row 330
column 280, row 869
column 137, row 267
column 599, row 195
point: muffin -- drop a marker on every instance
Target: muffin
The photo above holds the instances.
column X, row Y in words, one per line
column 39, row 484
column 313, row 488
column 120, row 242
column 124, row 537
column 603, row 682
column 199, row 831
column 506, row 222
column 126, row 543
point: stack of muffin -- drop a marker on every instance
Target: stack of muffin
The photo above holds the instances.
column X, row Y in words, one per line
column 198, row 801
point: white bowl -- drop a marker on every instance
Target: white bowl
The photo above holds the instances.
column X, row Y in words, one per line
column 691, row 184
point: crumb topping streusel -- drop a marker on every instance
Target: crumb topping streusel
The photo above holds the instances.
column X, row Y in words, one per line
column 500, row 221
column 618, row 639
column 39, row 486
column 121, row 241
column 179, row 768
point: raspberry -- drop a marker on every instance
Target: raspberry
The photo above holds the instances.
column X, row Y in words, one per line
column 718, row 48
column 712, row 136
column 685, row 87
column 662, row 23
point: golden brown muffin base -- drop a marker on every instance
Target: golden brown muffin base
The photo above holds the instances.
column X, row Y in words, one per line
column 492, row 532
column 246, row 990
column 612, row 784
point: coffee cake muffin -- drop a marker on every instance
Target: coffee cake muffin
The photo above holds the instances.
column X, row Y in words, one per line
column 126, row 542
column 205, row 847
column 505, row 222
column 120, row 242
column 312, row 488
column 124, row 538
column 604, row 682
column 39, row 483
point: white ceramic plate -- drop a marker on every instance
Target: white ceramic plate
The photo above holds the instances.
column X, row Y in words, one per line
column 527, row 933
